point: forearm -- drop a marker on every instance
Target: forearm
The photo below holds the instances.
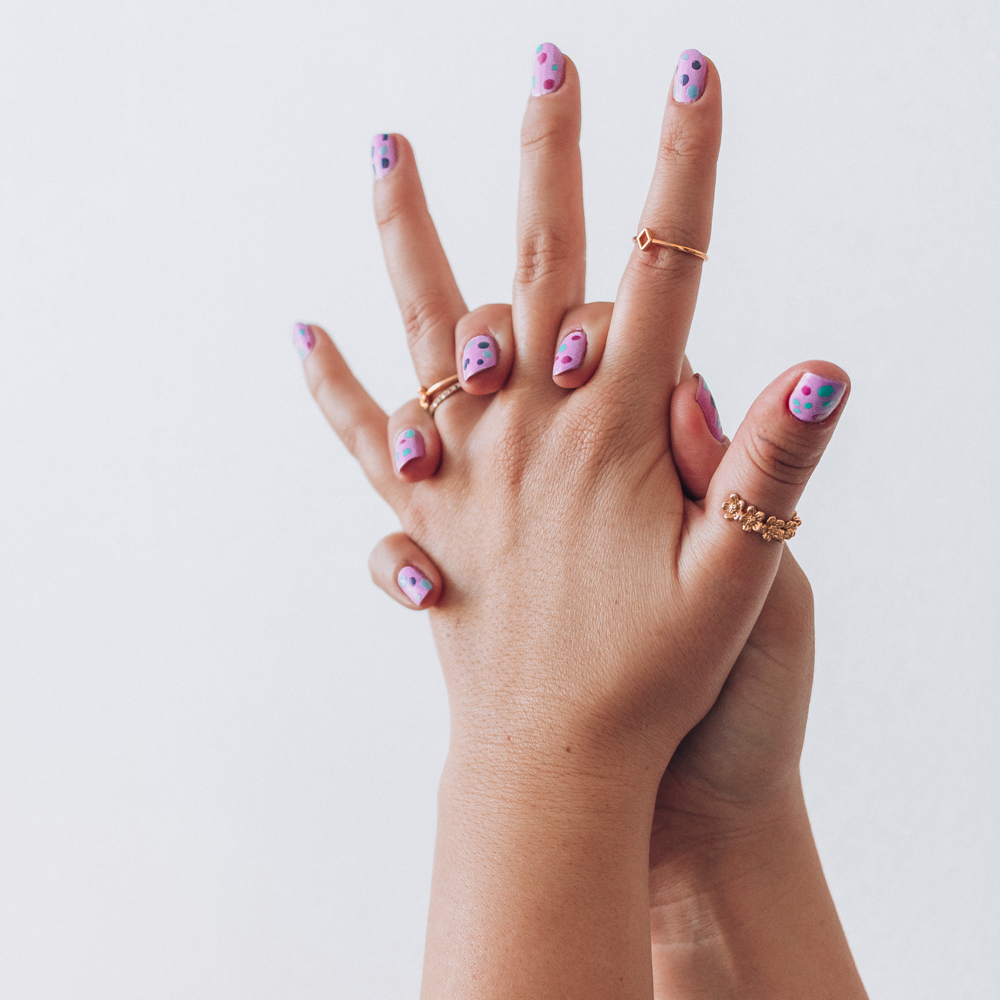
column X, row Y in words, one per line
column 750, row 915
column 540, row 880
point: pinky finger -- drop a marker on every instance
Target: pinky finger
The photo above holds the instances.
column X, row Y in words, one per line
column 404, row 572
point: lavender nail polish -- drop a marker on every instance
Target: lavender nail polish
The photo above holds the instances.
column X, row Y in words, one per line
column 409, row 445
column 480, row 353
column 689, row 78
column 304, row 339
column 707, row 403
column 383, row 153
column 548, row 70
column 815, row 398
column 414, row 584
column 570, row 353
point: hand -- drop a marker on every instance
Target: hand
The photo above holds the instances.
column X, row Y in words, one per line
column 590, row 613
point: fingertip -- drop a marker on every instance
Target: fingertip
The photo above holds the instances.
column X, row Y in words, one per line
column 696, row 440
column 817, row 391
column 400, row 568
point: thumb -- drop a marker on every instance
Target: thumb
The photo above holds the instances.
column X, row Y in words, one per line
column 774, row 452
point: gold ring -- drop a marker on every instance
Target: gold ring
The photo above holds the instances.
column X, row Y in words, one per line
column 645, row 239
column 431, row 397
column 771, row 529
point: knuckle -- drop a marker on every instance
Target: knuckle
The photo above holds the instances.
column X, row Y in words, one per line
column 424, row 316
column 541, row 254
column 684, row 139
column 659, row 262
column 781, row 459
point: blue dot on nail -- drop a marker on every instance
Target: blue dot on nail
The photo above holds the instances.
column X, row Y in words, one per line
column 407, row 451
column 809, row 406
column 426, row 584
column 483, row 344
column 677, row 93
column 479, row 362
column 685, row 56
column 696, row 65
column 685, row 78
column 385, row 163
column 487, row 354
column 692, row 91
column 539, row 49
column 825, row 390
column 385, row 149
column 465, row 364
column 532, row 83
column 554, row 67
column 409, row 434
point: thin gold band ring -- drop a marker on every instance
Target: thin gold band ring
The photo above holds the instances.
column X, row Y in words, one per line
column 645, row 239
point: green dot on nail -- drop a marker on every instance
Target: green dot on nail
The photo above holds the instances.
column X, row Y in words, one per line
column 409, row 434
column 692, row 91
column 825, row 390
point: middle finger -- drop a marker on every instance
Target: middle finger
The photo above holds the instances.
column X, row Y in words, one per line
column 551, row 242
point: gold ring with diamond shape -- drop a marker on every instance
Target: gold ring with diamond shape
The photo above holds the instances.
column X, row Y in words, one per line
column 645, row 239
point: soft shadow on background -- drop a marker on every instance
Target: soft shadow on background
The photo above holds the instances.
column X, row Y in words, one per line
column 219, row 744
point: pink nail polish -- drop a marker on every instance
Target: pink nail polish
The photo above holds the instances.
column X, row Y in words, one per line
column 414, row 584
column 689, row 78
column 548, row 70
column 707, row 403
column 815, row 398
column 409, row 445
column 383, row 153
column 570, row 353
column 304, row 339
column 480, row 353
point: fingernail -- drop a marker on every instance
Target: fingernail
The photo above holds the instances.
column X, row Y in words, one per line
column 480, row 353
column 409, row 445
column 816, row 398
column 707, row 403
column 304, row 339
column 571, row 352
column 689, row 78
column 548, row 70
column 383, row 153
column 414, row 584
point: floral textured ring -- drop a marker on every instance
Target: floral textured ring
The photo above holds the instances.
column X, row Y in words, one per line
column 645, row 239
column 433, row 396
column 771, row 529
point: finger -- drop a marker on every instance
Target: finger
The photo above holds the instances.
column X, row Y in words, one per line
column 697, row 442
column 414, row 443
column 551, row 241
column 421, row 277
column 404, row 571
column 355, row 417
column 775, row 451
column 657, row 294
column 484, row 348
column 580, row 345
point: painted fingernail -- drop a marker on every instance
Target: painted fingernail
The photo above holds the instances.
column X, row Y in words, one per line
column 383, row 153
column 409, row 445
column 480, row 353
column 707, row 403
column 414, row 584
column 304, row 339
column 689, row 78
column 816, row 398
column 571, row 352
column 548, row 70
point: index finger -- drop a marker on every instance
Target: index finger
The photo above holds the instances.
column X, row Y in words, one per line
column 658, row 291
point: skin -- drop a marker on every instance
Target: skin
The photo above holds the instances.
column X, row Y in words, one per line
column 628, row 673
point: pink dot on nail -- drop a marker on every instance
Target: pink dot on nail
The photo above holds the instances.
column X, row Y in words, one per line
column 541, row 57
column 806, row 390
column 575, row 336
column 549, row 84
column 566, row 360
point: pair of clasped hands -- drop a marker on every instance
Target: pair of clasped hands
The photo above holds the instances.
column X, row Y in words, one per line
column 620, row 813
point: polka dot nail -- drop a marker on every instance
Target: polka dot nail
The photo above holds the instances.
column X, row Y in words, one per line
column 383, row 154
column 548, row 70
column 570, row 353
column 707, row 403
column 409, row 445
column 689, row 77
column 480, row 353
column 414, row 584
column 815, row 398
column 304, row 339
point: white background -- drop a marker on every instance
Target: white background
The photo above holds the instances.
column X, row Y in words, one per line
column 219, row 744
